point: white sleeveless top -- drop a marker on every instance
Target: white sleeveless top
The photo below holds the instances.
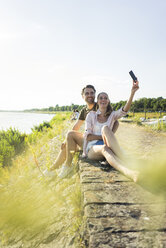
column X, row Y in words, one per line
column 98, row 126
column 97, row 131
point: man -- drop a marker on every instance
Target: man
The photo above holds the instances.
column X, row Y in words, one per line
column 74, row 138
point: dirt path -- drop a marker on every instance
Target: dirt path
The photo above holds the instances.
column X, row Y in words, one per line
column 140, row 141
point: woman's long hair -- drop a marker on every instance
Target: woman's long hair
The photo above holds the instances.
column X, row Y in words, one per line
column 109, row 107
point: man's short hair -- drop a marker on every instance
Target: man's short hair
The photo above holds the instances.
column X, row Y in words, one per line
column 88, row 86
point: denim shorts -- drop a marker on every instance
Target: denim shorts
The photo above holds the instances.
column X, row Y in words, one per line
column 99, row 142
column 94, row 143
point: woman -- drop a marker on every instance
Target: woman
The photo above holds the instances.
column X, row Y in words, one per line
column 99, row 140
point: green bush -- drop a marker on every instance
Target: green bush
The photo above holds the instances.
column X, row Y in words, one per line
column 12, row 142
column 41, row 127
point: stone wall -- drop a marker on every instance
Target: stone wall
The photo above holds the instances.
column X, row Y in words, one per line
column 118, row 212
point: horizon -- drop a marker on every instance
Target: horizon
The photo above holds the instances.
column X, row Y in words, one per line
column 10, row 110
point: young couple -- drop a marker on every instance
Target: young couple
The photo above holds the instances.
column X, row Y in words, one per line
column 98, row 141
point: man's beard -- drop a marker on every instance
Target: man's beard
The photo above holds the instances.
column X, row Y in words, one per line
column 90, row 100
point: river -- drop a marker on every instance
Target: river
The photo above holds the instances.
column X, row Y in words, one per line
column 22, row 121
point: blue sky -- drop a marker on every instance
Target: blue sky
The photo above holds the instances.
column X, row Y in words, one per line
column 49, row 50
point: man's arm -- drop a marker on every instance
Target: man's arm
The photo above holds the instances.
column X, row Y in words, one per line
column 77, row 125
column 94, row 137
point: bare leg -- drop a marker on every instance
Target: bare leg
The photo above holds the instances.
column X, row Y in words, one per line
column 95, row 153
column 115, row 162
column 74, row 139
column 100, row 151
column 111, row 141
column 60, row 159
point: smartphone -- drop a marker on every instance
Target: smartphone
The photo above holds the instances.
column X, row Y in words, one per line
column 133, row 76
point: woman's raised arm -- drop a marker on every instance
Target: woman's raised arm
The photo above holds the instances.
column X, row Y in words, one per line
column 135, row 87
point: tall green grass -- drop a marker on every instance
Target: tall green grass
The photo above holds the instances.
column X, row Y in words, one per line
column 33, row 209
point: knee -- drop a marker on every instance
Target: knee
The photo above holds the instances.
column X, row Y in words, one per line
column 104, row 149
column 105, row 130
column 69, row 135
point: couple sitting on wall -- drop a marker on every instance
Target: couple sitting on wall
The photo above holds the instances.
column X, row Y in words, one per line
column 98, row 141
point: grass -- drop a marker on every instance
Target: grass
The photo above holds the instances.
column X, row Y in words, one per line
column 34, row 210
column 12, row 142
column 160, row 126
column 149, row 115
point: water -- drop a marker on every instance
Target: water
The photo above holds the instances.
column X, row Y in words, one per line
column 22, row 121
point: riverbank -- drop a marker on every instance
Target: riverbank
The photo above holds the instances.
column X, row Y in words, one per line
column 35, row 211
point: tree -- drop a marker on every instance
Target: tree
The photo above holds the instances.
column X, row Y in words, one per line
column 51, row 109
